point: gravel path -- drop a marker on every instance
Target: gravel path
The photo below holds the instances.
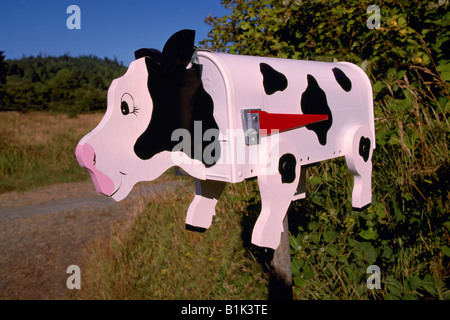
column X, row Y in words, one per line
column 44, row 231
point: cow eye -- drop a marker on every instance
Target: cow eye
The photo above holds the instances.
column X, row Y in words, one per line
column 125, row 108
column 127, row 104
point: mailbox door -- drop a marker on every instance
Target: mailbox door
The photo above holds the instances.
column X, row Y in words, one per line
column 214, row 81
column 230, row 80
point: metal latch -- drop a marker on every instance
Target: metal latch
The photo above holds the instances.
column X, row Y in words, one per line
column 250, row 123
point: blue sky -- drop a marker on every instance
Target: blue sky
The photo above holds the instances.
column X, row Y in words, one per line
column 108, row 28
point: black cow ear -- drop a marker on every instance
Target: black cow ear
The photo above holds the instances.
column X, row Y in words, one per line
column 178, row 50
column 152, row 66
column 153, row 54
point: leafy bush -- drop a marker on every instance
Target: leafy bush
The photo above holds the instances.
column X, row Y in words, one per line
column 406, row 231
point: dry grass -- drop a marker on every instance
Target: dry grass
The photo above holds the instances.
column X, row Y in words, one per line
column 40, row 127
column 38, row 148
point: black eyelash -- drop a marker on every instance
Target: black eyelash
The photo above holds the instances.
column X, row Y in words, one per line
column 135, row 111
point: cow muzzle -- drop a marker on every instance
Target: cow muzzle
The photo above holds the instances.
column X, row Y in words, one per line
column 86, row 157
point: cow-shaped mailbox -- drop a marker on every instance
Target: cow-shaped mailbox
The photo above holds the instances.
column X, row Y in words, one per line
column 224, row 118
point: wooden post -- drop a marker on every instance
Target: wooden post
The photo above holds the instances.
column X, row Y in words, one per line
column 280, row 280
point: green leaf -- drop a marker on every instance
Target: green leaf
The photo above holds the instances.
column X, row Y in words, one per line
column 410, row 296
column 402, row 22
column 392, row 296
column 296, row 265
column 378, row 86
column 386, row 253
column 332, row 251
column 294, row 242
column 445, row 250
column 343, row 259
column 444, row 66
column 315, row 237
column 445, row 75
column 358, row 255
column 315, row 180
column 329, row 236
column 299, row 281
column 428, row 284
column 313, row 225
column 308, row 272
column 369, row 234
column 401, row 74
column 414, row 283
column 393, row 285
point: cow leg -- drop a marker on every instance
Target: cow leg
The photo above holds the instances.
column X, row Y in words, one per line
column 203, row 207
column 277, row 191
column 358, row 155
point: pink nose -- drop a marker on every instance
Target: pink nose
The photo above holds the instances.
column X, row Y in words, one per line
column 86, row 158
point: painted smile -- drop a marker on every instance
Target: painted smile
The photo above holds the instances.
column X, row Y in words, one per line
column 120, row 184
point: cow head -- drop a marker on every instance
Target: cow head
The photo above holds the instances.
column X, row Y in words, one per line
column 159, row 93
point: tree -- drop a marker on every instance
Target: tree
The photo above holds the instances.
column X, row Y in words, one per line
column 3, row 71
column 61, row 84
column 3, row 68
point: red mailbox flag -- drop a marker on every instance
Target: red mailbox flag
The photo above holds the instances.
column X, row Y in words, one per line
column 283, row 122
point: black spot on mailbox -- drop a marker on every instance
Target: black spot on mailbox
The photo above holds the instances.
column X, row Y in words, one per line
column 314, row 101
column 364, row 148
column 342, row 79
column 273, row 80
column 286, row 168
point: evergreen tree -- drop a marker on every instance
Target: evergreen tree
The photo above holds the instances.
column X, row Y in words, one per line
column 3, row 71
column 59, row 84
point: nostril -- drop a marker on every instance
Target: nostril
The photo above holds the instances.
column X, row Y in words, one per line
column 86, row 156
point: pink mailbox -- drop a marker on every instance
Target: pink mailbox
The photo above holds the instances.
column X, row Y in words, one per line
column 224, row 118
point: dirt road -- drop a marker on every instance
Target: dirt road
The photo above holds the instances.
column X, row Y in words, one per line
column 44, row 231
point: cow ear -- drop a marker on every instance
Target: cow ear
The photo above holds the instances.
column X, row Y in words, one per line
column 178, row 50
column 153, row 54
column 153, row 67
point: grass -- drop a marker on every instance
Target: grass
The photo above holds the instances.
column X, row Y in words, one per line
column 38, row 148
column 158, row 259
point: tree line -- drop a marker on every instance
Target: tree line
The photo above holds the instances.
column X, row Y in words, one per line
column 61, row 84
